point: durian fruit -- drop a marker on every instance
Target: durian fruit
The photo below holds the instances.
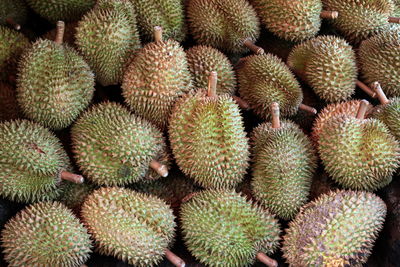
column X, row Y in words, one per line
column 207, row 137
column 12, row 44
column 328, row 65
column 378, row 59
column 54, row 83
column 284, row 161
column 134, row 227
column 337, row 229
column 9, row 109
column 13, row 13
column 113, row 147
column 168, row 14
column 223, row 24
column 358, row 153
column 156, row 78
column 292, row 20
column 204, row 59
column 107, row 37
column 65, row 10
column 222, row 228
column 45, row 234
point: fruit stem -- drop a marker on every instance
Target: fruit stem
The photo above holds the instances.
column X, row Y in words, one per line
column 161, row 169
column 308, row 108
column 13, row 24
column 394, row 20
column 188, row 197
column 362, row 109
column 276, row 123
column 266, row 260
column 158, row 34
column 74, row 178
column 174, row 259
column 241, row 103
column 366, row 89
column 253, row 48
column 60, row 32
column 380, row 94
column 212, row 84
column 325, row 14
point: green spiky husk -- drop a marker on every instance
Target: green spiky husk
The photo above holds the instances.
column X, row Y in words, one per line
column 284, row 164
column 9, row 109
column 45, row 234
column 13, row 9
column 222, row 228
column 208, row 140
column 390, row 115
column 131, row 226
column 337, row 229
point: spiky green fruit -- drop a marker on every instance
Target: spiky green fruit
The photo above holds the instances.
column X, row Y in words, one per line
column 131, row 226
column 168, row 14
column 9, row 109
column 223, row 24
column 337, row 229
column 45, row 234
column 208, row 139
column 156, row 78
column 54, row 84
column 284, row 163
column 265, row 79
column 204, row 59
column 65, row 10
column 74, row 195
column 358, row 154
column 13, row 12
column 328, row 65
column 107, row 38
column 12, row 45
column 378, row 58
column 114, row 147
column 389, row 114
column 222, row 228
column 31, row 161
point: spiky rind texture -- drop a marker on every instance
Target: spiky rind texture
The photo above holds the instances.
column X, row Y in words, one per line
column 328, row 64
column 264, row 79
column 12, row 45
column 31, row 159
column 65, row 10
column 378, row 59
column 131, row 226
column 208, row 139
column 107, row 38
column 114, row 147
column 204, row 59
column 155, row 79
column 45, row 234
column 168, row 14
column 337, row 229
column 13, row 9
column 54, row 84
column 284, row 164
column 74, row 195
column 290, row 20
column 390, row 115
column 222, row 228
column 9, row 109
column 223, row 24
column 358, row 154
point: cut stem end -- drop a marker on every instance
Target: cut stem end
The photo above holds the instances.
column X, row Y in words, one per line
column 60, row 32
column 380, row 94
column 74, row 178
column 174, row 259
column 362, row 109
column 266, row 260
column 161, row 169
column 276, row 123
column 366, row 89
column 308, row 109
column 12, row 23
column 212, row 84
column 158, row 34
column 253, row 48
column 325, row 14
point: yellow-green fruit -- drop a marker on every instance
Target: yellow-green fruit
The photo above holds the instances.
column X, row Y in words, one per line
column 204, row 59
column 288, row 19
column 167, row 14
column 107, row 38
column 114, row 147
column 54, row 84
column 265, row 79
column 65, row 10
column 378, row 59
column 283, row 165
column 358, row 154
column 337, row 229
column 222, row 228
column 31, row 161
column 389, row 114
column 9, row 109
column 223, row 24
column 156, row 78
column 45, row 234
column 328, row 65
column 134, row 227
column 14, row 11
column 208, row 139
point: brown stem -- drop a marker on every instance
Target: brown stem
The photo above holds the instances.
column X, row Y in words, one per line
column 212, row 84
column 161, row 169
column 83, row 265
column 308, row 108
column 394, row 20
column 266, row 260
column 241, row 103
column 362, row 109
column 13, row 24
column 380, row 94
column 253, row 48
column 366, row 89
column 174, row 259
column 188, row 197
column 60, row 32
column 325, row 14
column 276, row 123
column 74, row 178
column 157, row 34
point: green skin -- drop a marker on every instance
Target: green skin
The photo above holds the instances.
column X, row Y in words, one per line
column 389, row 114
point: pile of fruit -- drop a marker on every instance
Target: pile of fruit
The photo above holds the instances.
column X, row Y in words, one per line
column 246, row 131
